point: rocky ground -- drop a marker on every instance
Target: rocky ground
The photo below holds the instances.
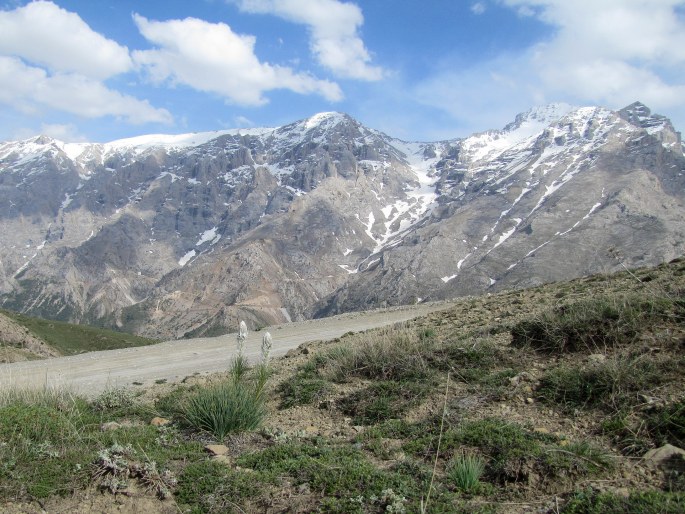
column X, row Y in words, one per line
column 368, row 421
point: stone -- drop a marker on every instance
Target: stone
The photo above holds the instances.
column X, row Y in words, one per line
column 530, row 401
column 159, row 422
column 217, row 449
column 222, row 459
column 664, row 456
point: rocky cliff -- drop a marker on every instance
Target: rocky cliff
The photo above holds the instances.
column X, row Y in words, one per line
column 176, row 235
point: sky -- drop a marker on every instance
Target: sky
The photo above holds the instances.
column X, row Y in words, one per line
column 100, row 70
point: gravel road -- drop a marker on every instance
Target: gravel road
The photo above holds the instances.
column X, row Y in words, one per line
column 93, row 372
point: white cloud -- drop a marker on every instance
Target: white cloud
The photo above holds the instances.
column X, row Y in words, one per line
column 30, row 89
column 242, row 121
column 478, row 8
column 67, row 132
column 611, row 52
column 210, row 57
column 334, row 31
column 47, row 35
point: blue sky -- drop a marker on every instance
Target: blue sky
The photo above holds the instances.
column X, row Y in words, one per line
column 100, row 70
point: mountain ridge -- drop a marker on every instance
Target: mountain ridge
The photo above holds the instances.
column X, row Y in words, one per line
column 325, row 215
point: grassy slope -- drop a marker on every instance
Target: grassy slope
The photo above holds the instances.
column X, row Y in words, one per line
column 70, row 339
column 553, row 396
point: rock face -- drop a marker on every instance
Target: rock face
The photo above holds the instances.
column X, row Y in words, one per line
column 172, row 236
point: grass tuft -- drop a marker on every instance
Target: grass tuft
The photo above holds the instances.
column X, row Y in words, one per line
column 594, row 324
column 465, row 472
column 224, row 408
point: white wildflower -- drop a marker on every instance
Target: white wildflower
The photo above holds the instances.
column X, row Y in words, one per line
column 242, row 336
column 266, row 347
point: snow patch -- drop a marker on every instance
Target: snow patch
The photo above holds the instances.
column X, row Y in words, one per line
column 207, row 235
column 186, row 258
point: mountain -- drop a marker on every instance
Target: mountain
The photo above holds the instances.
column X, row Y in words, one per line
column 171, row 236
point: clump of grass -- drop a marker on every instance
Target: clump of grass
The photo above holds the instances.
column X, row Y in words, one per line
column 384, row 400
column 579, row 457
column 393, row 353
column 224, row 408
column 613, row 383
column 301, row 389
column 465, row 472
column 667, row 425
column 594, row 324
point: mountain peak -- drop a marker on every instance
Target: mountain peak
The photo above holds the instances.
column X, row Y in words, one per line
column 542, row 115
column 326, row 118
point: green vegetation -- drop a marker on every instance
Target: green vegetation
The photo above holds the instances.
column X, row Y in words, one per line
column 611, row 383
column 51, row 443
column 367, row 424
column 465, row 472
column 596, row 324
column 649, row 502
column 70, row 339
column 224, row 408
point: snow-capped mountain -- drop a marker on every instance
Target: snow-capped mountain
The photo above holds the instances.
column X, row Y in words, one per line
column 176, row 235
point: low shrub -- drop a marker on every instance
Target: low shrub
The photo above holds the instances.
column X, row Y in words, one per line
column 648, row 502
column 594, row 324
column 613, row 383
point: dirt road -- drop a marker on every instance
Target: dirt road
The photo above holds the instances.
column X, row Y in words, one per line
column 93, row 372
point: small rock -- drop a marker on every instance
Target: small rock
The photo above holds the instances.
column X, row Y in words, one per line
column 358, row 428
column 222, row 459
column 661, row 456
column 530, row 401
column 159, row 422
column 109, row 426
column 217, row 449
column 304, row 488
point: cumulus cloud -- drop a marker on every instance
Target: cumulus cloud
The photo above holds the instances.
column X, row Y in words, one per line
column 613, row 51
column 47, row 35
column 609, row 52
column 210, row 57
column 67, row 132
column 51, row 59
column 334, row 32
column 30, row 89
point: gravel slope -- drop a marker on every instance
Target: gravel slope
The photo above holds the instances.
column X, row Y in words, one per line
column 93, row 372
